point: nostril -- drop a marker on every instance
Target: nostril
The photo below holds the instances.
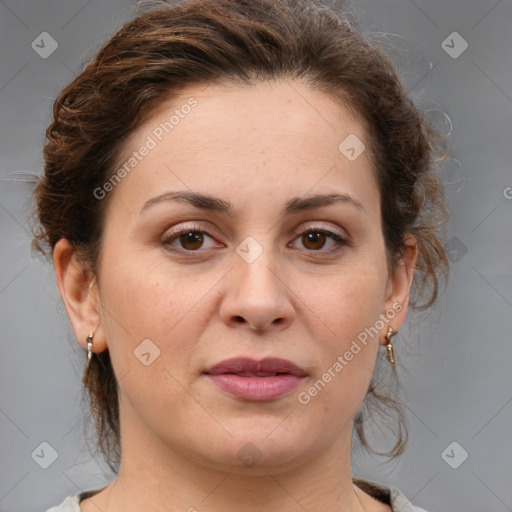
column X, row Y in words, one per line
column 239, row 319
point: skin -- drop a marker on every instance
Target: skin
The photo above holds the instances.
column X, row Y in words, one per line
column 255, row 147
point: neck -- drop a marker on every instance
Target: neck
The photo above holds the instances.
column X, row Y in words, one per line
column 156, row 478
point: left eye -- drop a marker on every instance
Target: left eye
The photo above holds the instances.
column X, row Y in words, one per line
column 315, row 239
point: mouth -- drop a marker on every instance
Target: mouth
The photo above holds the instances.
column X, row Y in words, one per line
column 248, row 379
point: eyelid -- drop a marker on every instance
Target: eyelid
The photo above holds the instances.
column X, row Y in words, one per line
column 319, row 226
column 171, row 232
column 194, row 227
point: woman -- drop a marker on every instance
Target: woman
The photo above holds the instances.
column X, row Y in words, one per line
column 239, row 200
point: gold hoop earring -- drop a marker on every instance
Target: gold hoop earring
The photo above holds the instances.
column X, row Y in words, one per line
column 389, row 345
column 89, row 339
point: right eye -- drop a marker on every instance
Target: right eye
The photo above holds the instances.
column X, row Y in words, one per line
column 190, row 239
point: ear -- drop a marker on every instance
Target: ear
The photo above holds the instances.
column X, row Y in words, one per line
column 399, row 287
column 79, row 291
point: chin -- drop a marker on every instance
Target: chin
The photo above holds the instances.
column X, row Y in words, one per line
column 256, row 452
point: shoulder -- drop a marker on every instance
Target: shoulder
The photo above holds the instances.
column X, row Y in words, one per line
column 401, row 503
column 72, row 503
column 388, row 495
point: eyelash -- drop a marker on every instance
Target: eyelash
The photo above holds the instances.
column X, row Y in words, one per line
column 340, row 242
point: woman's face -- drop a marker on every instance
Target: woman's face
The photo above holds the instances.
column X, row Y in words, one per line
column 229, row 271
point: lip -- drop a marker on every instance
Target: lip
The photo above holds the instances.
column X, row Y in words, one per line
column 267, row 379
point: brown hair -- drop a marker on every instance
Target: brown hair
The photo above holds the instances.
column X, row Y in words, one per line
column 161, row 52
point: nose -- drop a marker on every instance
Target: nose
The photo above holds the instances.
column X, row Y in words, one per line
column 257, row 297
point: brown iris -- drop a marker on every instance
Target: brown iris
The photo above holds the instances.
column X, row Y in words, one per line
column 191, row 240
column 315, row 239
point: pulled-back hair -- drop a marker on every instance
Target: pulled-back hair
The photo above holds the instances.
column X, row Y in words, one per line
column 153, row 57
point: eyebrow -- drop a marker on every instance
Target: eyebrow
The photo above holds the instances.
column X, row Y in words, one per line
column 214, row 204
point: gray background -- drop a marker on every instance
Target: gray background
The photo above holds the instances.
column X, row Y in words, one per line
column 457, row 378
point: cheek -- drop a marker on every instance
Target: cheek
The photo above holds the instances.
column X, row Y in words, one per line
column 350, row 300
column 140, row 303
column 150, row 324
column 149, row 298
column 349, row 309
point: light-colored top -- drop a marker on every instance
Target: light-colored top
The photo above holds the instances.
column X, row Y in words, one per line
column 388, row 495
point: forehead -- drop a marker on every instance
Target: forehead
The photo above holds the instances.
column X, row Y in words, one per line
column 250, row 140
